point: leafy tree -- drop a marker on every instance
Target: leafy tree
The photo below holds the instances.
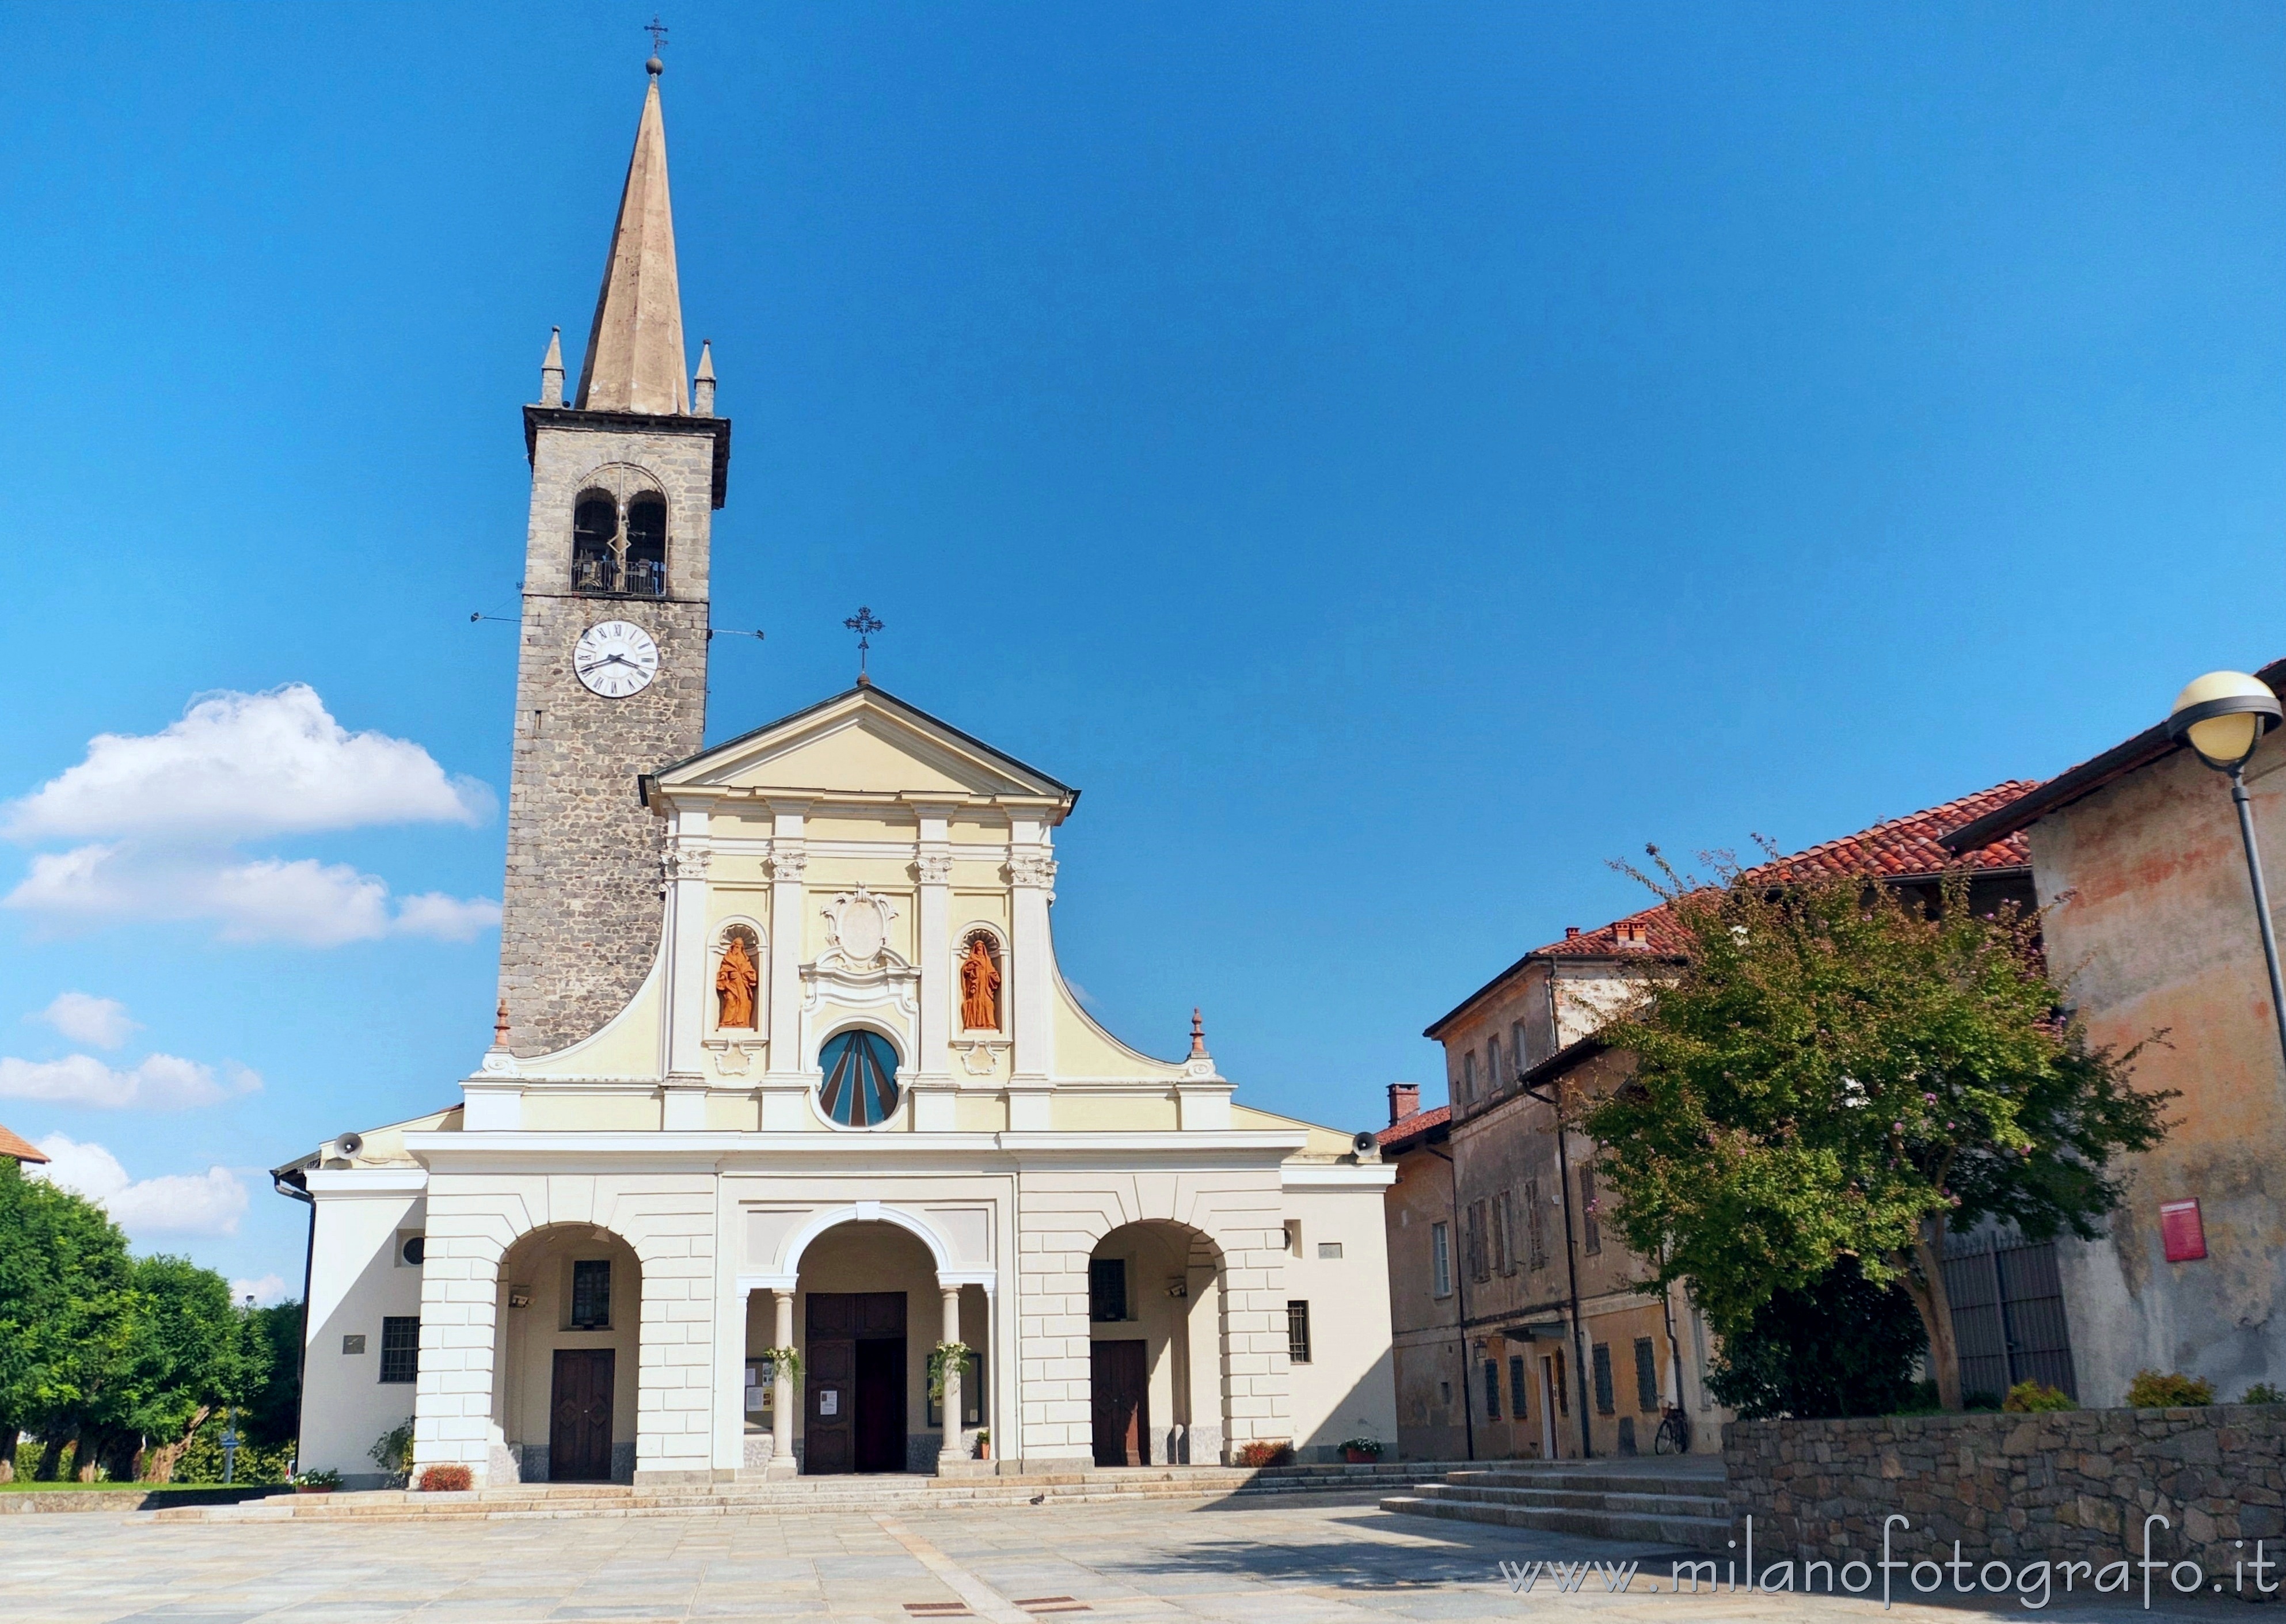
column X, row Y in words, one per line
column 100, row 1352
column 1840, row 1345
column 67, row 1307
column 273, row 1410
column 1830, row 1072
column 195, row 1353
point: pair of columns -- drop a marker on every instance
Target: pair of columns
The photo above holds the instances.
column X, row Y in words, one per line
column 781, row 1401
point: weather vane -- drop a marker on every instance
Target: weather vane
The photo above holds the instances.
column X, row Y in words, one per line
column 864, row 623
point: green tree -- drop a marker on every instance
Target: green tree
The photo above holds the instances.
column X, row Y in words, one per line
column 1830, row 1072
column 1840, row 1345
column 67, row 1308
column 273, row 1410
column 195, row 1352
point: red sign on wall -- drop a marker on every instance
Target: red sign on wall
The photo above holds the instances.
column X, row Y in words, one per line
column 2181, row 1230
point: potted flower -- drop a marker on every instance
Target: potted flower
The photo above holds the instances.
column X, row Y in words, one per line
column 1361, row 1451
column 323, row 1481
column 984, row 1443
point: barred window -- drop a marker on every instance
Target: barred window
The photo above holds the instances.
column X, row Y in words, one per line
column 1516, row 1386
column 1297, row 1333
column 591, row 1295
column 400, row 1348
column 1106, row 1290
column 1440, row 1260
column 1593, row 1241
column 1604, row 1403
column 1646, row 1376
column 1492, row 1389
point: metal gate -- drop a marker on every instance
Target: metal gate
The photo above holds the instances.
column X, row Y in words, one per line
column 2007, row 1313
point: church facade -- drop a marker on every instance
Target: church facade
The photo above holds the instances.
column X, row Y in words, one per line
column 793, row 1151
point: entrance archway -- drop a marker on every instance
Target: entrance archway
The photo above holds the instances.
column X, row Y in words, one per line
column 1155, row 1372
column 565, row 1348
column 868, row 1310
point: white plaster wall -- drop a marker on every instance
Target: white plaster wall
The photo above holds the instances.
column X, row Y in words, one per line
column 1064, row 1211
column 1349, row 1388
column 668, row 1219
column 354, row 1281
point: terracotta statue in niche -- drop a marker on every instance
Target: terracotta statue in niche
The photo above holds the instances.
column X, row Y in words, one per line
column 979, row 987
column 735, row 983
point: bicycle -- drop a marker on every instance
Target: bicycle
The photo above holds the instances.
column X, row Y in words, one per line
column 1673, row 1431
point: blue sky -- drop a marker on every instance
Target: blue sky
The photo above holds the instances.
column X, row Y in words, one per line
column 1394, row 460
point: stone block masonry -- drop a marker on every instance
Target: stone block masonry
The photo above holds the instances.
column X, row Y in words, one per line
column 2070, row 1486
column 580, row 908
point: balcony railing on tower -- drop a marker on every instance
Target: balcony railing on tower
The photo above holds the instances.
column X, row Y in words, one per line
column 641, row 578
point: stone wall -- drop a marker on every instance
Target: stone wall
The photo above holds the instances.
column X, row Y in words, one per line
column 2069, row 1487
column 581, row 909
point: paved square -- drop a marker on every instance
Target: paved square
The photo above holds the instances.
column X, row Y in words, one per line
column 1179, row 1561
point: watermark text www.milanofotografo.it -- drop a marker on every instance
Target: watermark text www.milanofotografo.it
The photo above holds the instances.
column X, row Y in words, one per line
column 2034, row 1582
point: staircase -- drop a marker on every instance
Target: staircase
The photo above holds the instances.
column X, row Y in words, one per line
column 885, row 1493
column 1679, row 1501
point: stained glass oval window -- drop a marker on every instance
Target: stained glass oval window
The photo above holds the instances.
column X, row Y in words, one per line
column 861, row 1078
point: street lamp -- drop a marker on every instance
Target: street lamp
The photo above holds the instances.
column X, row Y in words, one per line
column 2222, row 716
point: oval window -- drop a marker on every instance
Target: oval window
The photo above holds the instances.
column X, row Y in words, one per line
column 861, row 1078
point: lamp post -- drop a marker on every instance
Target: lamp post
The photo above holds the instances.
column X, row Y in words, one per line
column 2222, row 716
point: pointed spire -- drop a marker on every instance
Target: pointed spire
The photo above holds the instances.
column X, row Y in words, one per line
column 1198, row 1036
column 634, row 356
column 500, row 1025
column 702, row 387
column 551, row 370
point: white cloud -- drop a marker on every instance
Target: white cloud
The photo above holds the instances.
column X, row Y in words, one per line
column 267, row 1292
column 267, row 899
column 238, row 764
column 85, row 1018
column 207, row 1203
column 159, row 1082
column 155, row 820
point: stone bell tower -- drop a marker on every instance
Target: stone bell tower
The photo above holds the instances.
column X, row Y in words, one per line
column 612, row 672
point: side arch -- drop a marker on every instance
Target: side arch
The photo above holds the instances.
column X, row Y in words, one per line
column 787, row 1274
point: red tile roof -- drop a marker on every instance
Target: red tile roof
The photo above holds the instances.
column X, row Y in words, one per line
column 1907, row 847
column 1401, row 1134
column 22, row 1149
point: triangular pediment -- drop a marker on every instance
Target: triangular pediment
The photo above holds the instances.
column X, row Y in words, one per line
column 866, row 743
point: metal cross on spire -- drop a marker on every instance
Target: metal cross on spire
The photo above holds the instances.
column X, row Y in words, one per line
column 864, row 623
column 658, row 32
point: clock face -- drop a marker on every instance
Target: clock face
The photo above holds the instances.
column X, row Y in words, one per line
column 615, row 658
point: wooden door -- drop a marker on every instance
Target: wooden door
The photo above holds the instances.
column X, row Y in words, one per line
column 880, row 1382
column 855, row 1409
column 828, row 1385
column 1119, row 1374
column 580, row 1416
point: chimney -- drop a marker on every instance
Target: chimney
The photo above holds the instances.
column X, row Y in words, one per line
column 1404, row 1102
column 1571, row 931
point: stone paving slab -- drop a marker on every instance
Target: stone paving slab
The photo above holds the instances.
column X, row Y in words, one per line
column 1124, row 1565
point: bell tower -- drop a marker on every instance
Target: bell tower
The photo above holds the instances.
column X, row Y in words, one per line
column 611, row 669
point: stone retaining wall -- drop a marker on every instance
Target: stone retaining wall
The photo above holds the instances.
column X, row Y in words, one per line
column 2070, row 1486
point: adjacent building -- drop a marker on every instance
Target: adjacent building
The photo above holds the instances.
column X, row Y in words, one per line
column 1523, row 1327
column 2150, row 926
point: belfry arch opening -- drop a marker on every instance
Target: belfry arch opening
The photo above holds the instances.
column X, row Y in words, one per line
column 1156, row 1366
column 566, row 1345
column 619, row 535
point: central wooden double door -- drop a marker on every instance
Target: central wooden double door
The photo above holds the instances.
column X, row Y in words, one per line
column 854, row 1382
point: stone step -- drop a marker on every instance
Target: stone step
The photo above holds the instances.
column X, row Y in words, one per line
column 1580, row 1499
column 799, row 1495
column 1686, row 1532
